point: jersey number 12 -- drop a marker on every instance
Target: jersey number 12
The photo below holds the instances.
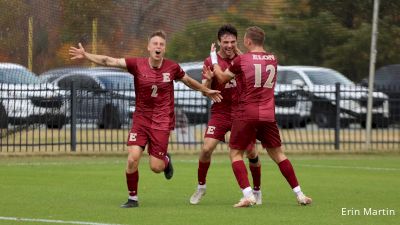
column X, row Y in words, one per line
column 257, row 73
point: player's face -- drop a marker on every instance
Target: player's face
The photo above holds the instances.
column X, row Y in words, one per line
column 156, row 47
column 228, row 44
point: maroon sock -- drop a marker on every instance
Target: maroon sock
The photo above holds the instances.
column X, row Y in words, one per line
column 132, row 180
column 287, row 171
column 256, row 174
column 240, row 171
column 202, row 172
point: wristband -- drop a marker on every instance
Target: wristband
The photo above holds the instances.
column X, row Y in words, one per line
column 214, row 58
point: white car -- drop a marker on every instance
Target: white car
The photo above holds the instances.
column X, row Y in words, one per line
column 292, row 106
column 24, row 99
column 320, row 83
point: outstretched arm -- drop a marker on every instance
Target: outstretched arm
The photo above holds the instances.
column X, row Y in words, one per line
column 222, row 76
column 80, row 53
column 193, row 84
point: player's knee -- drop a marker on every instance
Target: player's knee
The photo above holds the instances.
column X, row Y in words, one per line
column 157, row 168
column 253, row 160
column 132, row 163
column 206, row 152
column 277, row 155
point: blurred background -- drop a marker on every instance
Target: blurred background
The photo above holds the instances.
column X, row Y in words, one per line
column 333, row 36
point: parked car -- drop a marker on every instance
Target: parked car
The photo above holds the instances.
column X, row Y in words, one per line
column 387, row 80
column 320, row 83
column 193, row 103
column 105, row 97
column 292, row 106
column 25, row 99
column 292, row 103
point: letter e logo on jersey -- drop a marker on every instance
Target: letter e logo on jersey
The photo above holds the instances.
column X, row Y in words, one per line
column 210, row 129
column 132, row 136
column 166, row 77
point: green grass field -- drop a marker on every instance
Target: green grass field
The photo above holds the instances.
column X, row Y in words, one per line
column 90, row 189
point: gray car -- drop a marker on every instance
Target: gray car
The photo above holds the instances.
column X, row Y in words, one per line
column 24, row 99
column 105, row 98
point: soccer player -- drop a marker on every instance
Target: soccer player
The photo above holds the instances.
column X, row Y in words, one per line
column 154, row 114
column 221, row 115
column 255, row 73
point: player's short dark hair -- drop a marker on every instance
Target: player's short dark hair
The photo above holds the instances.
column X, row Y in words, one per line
column 158, row 33
column 227, row 29
column 256, row 35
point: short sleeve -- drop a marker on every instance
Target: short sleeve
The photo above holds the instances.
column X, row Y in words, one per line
column 235, row 67
column 131, row 65
column 178, row 72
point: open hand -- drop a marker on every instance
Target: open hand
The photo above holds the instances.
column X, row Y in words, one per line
column 207, row 73
column 77, row 53
column 214, row 95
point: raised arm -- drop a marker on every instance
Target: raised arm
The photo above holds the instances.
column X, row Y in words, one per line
column 222, row 76
column 193, row 84
column 80, row 53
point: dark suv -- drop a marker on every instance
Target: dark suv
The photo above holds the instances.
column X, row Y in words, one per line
column 387, row 80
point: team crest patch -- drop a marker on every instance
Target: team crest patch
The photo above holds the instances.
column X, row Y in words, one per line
column 166, row 77
column 132, row 136
column 210, row 129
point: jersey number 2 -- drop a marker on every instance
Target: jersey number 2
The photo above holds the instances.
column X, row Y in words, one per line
column 257, row 81
column 154, row 92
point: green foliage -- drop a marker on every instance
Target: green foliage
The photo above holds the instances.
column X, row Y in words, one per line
column 337, row 34
column 194, row 42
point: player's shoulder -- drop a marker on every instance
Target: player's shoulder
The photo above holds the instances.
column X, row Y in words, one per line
column 207, row 61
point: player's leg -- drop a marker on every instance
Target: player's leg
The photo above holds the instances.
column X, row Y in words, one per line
column 137, row 140
column 255, row 169
column 270, row 139
column 286, row 168
column 217, row 127
column 241, row 140
column 204, row 163
column 240, row 171
column 160, row 160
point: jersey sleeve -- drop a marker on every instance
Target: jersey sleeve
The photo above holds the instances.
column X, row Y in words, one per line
column 235, row 67
column 178, row 72
column 131, row 65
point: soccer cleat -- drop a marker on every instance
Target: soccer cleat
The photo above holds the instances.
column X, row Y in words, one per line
column 169, row 170
column 130, row 204
column 303, row 200
column 196, row 197
column 245, row 202
column 258, row 197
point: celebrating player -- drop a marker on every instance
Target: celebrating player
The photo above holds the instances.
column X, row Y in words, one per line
column 255, row 73
column 221, row 115
column 154, row 111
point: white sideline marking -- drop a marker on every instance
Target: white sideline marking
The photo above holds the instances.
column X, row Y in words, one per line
column 54, row 221
column 350, row 167
column 189, row 161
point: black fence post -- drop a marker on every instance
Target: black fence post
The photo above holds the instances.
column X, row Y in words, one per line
column 337, row 124
column 73, row 117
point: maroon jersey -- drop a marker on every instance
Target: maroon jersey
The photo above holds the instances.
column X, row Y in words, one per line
column 255, row 74
column 154, row 90
column 228, row 90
